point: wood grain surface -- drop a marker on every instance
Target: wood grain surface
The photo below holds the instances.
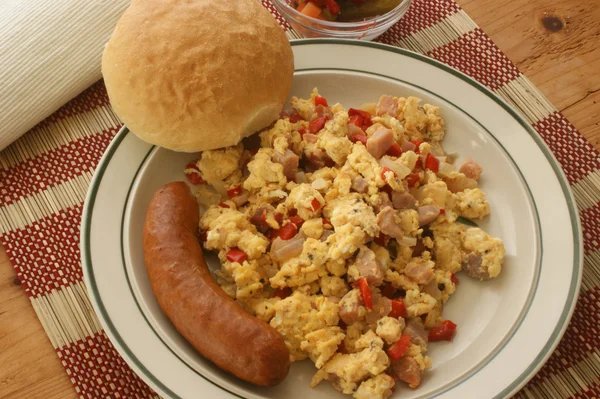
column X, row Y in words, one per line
column 555, row 43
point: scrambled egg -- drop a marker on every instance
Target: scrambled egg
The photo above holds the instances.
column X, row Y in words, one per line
column 349, row 254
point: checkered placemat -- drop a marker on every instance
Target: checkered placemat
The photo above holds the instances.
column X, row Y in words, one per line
column 44, row 178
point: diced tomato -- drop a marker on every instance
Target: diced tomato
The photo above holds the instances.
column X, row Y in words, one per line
column 412, row 179
column 302, row 131
column 202, row 236
column 399, row 348
column 193, row 177
column 321, row 100
column 224, row 205
column 287, row 231
column 296, row 220
column 315, row 204
column 444, row 332
column 385, row 170
column 398, row 308
column 317, row 124
column 283, row 292
column 432, row 163
column 417, row 143
column 356, row 120
column 236, row 255
column 254, row 151
column 365, row 291
column 359, row 137
column 442, row 211
column 381, row 240
column 334, row 8
column 234, row 192
column 388, row 291
column 394, row 150
column 454, row 279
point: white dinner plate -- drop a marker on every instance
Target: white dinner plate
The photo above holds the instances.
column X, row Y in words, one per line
column 507, row 327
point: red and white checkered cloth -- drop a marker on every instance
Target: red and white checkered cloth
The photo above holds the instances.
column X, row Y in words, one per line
column 45, row 174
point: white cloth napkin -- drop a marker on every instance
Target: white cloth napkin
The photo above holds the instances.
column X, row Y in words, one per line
column 50, row 51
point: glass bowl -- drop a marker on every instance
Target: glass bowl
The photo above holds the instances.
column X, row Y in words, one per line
column 367, row 29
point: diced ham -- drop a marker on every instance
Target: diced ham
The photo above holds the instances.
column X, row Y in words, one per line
column 416, row 331
column 368, row 266
column 380, row 142
column 418, row 272
column 460, row 183
column 354, row 130
column 387, row 105
column 259, row 218
column 471, row 169
column 403, row 200
column 316, row 158
column 310, row 138
column 472, row 266
column 360, row 184
column 407, row 369
column 282, row 250
column 427, row 214
column 349, row 307
column 290, row 161
column 240, row 200
column 408, row 146
column 322, row 110
column 386, row 221
column 419, row 248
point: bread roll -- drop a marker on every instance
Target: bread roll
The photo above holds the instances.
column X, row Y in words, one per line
column 194, row 75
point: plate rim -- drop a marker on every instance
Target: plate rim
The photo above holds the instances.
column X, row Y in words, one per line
column 575, row 283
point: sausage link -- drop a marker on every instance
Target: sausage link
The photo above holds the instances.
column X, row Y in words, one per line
column 200, row 310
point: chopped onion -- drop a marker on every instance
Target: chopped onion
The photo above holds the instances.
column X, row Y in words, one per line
column 320, row 184
column 301, row 178
column 395, row 166
column 407, row 241
column 433, row 290
column 445, row 169
column 282, row 250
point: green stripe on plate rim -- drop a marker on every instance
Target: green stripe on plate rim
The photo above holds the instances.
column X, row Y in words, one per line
column 575, row 281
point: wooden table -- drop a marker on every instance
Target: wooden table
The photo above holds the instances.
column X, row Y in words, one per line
column 555, row 43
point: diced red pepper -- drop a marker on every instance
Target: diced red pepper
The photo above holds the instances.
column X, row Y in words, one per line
column 283, row 292
column 236, row 255
column 389, row 291
column 292, row 212
column 193, row 177
column 381, row 240
column 295, row 117
column 297, row 220
column 317, row 124
column 302, row 131
column 398, row 308
column 234, row 192
column 444, row 332
column 365, row 291
column 442, row 211
column 385, row 170
column 321, row 100
column 412, row 179
column 394, row 150
column 334, row 9
column 417, row 143
column 202, row 236
column 418, row 166
column 364, row 114
column 288, row 231
column 224, row 205
column 454, row 279
column 278, row 217
column 326, row 222
column 315, row 204
column 359, row 137
column 399, row 348
column 356, row 120
column 254, row 151
column 432, row 163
